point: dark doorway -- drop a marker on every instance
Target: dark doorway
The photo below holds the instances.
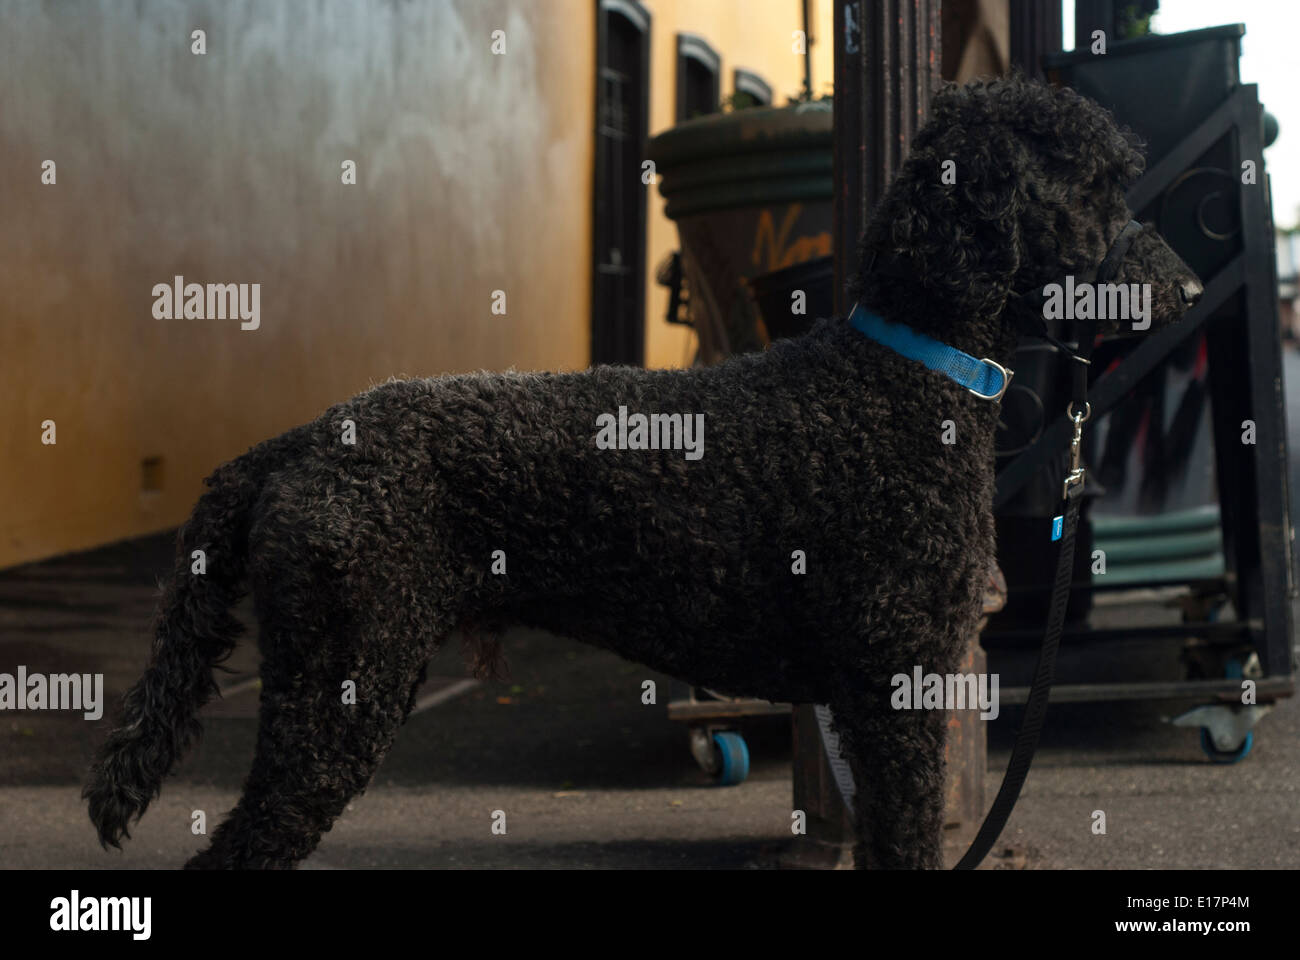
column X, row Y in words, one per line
column 619, row 196
column 698, row 78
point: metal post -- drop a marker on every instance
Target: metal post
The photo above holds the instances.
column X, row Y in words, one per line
column 887, row 66
column 807, row 50
column 1035, row 30
column 1090, row 15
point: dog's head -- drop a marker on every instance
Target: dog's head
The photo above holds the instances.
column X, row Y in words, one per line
column 1011, row 186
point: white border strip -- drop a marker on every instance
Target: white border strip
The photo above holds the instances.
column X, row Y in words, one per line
column 443, row 695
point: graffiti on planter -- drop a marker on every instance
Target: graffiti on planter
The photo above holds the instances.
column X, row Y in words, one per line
column 774, row 249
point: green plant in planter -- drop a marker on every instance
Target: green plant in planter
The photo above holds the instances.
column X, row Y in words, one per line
column 743, row 100
column 806, row 96
column 740, row 100
column 1133, row 20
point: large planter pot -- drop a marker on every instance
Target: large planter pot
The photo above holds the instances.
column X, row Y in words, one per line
column 750, row 193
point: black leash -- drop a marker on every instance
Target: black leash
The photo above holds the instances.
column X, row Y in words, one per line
column 1022, row 754
column 1079, row 411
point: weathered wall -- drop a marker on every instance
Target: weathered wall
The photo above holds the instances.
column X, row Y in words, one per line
column 473, row 174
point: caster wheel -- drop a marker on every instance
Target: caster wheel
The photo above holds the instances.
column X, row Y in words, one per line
column 1225, row 756
column 733, row 758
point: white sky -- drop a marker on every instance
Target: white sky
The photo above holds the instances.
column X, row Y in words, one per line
column 1268, row 58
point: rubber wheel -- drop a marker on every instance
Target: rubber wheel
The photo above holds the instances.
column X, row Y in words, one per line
column 1226, row 756
column 733, row 755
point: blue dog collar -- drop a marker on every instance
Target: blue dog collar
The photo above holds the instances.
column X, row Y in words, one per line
column 984, row 378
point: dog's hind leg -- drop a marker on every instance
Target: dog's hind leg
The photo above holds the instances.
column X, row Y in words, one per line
column 897, row 757
column 317, row 747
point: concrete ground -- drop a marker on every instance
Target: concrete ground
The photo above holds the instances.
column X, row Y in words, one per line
column 587, row 775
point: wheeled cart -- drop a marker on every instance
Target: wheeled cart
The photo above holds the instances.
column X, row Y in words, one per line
column 712, row 725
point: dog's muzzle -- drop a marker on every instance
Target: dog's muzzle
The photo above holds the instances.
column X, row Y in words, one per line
column 1105, row 272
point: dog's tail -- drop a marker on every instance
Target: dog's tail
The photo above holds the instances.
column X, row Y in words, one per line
column 193, row 632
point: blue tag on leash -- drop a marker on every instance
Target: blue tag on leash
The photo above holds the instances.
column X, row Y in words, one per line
column 1058, row 527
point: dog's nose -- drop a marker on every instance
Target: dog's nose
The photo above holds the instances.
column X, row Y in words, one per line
column 1191, row 291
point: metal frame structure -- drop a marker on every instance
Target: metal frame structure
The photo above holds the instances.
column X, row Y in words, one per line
column 1245, row 377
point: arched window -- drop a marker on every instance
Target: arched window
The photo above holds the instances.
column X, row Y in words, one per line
column 698, row 70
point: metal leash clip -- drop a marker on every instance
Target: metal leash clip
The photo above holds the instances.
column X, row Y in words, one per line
column 1076, row 474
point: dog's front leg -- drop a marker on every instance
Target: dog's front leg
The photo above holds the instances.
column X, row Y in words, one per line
column 897, row 757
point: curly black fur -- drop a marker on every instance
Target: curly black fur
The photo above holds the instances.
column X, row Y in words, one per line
column 362, row 559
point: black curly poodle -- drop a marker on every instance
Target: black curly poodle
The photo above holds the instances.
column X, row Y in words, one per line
column 363, row 557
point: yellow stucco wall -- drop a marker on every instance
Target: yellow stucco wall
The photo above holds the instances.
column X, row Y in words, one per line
column 751, row 34
column 473, row 175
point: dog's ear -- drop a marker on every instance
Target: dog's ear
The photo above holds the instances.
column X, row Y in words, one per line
column 945, row 242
